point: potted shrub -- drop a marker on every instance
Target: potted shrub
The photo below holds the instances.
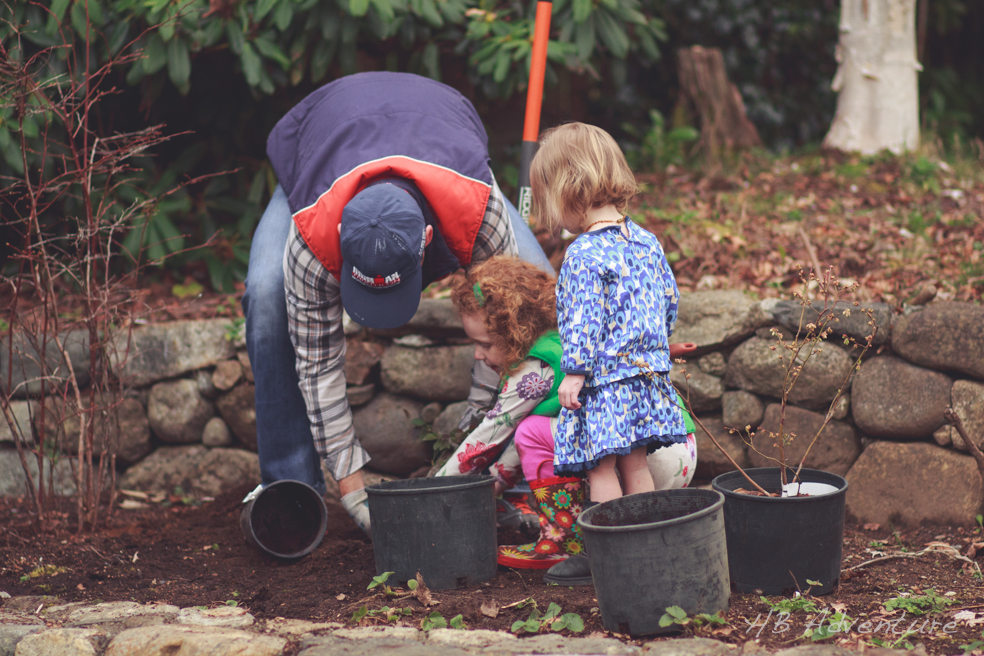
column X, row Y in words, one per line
column 785, row 524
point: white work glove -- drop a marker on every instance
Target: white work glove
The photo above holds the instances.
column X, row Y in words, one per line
column 356, row 504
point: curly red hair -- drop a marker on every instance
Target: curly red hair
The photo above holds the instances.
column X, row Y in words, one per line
column 518, row 300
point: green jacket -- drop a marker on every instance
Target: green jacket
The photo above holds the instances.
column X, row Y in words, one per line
column 548, row 348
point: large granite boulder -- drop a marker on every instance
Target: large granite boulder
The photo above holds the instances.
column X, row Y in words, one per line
column 24, row 367
column 702, row 391
column 432, row 373
column 967, row 399
column 835, row 451
column 162, row 351
column 13, row 482
column 711, row 319
column 361, row 359
column 384, row 429
column 217, row 433
column 848, row 319
column 944, row 336
column 893, row 399
column 227, row 373
column 121, row 427
column 914, row 484
column 178, row 412
column 238, row 409
column 197, row 470
column 710, row 461
column 742, row 410
column 449, row 418
column 755, row 367
column 194, row 640
column 22, row 413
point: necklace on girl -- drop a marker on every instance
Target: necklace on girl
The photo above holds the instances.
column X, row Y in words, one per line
column 604, row 221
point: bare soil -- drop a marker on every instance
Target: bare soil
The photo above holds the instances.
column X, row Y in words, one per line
column 197, row 556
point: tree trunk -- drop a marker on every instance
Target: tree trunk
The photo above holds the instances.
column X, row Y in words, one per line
column 704, row 83
column 878, row 96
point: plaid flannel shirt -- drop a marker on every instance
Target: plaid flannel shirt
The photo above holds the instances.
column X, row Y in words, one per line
column 314, row 315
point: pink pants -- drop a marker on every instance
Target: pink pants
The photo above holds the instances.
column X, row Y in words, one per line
column 672, row 467
column 535, row 444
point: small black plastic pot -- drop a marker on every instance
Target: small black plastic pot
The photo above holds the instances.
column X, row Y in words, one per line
column 653, row 550
column 286, row 520
column 443, row 528
column 777, row 544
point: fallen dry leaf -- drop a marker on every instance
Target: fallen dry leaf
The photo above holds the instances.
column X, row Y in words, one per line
column 969, row 617
column 838, row 607
column 422, row 594
column 490, row 608
column 973, row 548
column 340, row 597
column 872, row 527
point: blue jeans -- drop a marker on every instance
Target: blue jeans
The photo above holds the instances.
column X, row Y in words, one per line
column 283, row 435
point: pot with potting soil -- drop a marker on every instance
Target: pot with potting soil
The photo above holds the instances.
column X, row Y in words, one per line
column 783, row 543
column 442, row 528
column 785, row 524
column 654, row 550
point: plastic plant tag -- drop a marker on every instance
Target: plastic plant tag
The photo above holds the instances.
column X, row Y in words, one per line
column 807, row 489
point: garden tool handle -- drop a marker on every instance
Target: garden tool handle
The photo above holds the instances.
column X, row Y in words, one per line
column 534, row 101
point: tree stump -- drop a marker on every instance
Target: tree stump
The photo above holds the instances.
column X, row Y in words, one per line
column 724, row 127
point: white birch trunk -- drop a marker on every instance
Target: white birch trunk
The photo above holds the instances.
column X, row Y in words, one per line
column 876, row 80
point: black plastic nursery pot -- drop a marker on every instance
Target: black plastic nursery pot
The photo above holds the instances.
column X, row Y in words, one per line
column 443, row 528
column 287, row 519
column 653, row 550
column 777, row 544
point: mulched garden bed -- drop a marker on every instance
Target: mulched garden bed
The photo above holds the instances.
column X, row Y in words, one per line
column 196, row 556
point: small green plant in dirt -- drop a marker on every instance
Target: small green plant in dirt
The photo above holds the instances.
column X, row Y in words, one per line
column 236, row 329
column 443, row 444
column 386, row 614
column 44, row 570
column 823, row 627
column 552, row 620
column 901, row 642
column 437, row 621
column 659, row 148
column 678, row 616
column 922, row 171
column 380, row 580
column 798, row 603
column 980, row 523
column 975, row 646
column 928, row 602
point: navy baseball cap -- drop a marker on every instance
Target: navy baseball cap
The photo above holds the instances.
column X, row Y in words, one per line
column 383, row 237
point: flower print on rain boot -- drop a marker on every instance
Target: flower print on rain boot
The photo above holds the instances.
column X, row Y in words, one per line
column 560, row 500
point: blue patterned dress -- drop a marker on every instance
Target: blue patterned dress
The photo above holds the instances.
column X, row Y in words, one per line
column 616, row 306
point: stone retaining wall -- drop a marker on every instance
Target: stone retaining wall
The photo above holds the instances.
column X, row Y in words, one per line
column 189, row 419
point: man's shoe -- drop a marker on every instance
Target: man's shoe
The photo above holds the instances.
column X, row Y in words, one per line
column 513, row 511
column 576, row 570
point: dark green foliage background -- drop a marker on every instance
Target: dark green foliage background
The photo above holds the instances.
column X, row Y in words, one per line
column 226, row 70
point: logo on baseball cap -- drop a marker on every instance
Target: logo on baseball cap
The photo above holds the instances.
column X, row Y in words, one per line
column 382, row 237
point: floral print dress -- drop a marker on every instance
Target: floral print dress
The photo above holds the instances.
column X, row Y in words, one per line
column 491, row 440
column 616, row 306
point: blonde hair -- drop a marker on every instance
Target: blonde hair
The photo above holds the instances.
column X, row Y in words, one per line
column 518, row 300
column 578, row 167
